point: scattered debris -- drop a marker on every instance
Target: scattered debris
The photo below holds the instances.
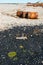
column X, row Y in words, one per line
column 21, row 46
column 21, row 37
column 36, row 31
column 35, row 4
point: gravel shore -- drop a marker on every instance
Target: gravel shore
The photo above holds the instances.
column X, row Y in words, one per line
column 21, row 40
column 8, row 18
column 29, row 51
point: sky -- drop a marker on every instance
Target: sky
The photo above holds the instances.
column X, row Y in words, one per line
column 19, row 1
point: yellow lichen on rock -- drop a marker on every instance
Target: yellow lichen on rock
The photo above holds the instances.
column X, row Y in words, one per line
column 12, row 54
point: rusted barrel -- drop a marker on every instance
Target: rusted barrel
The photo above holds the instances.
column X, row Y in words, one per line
column 32, row 15
column 19, row 13
column 29, row 15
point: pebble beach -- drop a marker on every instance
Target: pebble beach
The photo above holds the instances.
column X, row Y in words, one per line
column 21, row 40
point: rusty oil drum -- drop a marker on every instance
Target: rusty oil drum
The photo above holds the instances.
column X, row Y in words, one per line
column 29, row 15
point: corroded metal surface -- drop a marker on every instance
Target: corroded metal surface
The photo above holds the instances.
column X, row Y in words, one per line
column 29, row 15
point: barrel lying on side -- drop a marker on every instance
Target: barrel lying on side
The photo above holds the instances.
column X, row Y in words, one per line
column 29, row 15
